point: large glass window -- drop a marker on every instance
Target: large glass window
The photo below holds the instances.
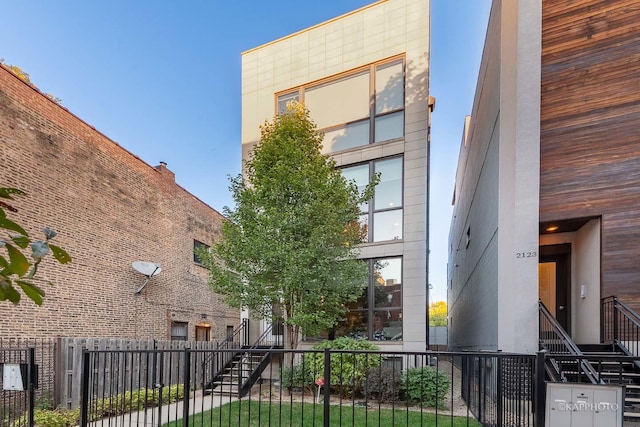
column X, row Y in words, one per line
column 347, row 136
column 377, row 314
column 339, row 102
column 381, row 219
column 284, row 99
column 362, row 108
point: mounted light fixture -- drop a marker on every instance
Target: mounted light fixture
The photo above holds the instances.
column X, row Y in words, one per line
column 552, row 228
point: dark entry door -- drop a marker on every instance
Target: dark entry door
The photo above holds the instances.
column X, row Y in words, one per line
column 554, row 285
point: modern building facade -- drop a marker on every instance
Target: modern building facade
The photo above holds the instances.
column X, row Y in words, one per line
column 110, row 209
column 364, row 77
column 547, row 190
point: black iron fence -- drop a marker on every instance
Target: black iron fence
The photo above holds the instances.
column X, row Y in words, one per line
column 503, row 389
column 310, row 387
column 18, row 384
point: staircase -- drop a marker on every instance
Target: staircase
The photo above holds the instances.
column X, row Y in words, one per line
column 615, row 367
column 614, row 361
column 243, row 367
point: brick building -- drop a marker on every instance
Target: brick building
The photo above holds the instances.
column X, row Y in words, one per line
column 110, row 209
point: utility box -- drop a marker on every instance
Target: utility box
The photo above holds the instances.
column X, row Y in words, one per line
column 584, row 405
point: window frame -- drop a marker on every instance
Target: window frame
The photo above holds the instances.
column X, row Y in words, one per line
column 184, row 337
column 197, row 244
column 370, row 309
column 371, row 208
column 370, row 69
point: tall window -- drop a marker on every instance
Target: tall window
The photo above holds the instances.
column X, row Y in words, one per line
column 377, row 314
column 382, row 217
column 364, row 107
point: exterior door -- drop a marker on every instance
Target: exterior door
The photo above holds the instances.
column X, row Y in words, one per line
column 554, row 286
column 276, row 335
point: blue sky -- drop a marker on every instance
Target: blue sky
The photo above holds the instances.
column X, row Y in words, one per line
column 162, row 79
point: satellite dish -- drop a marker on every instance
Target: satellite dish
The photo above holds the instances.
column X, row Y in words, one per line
column 147, row 268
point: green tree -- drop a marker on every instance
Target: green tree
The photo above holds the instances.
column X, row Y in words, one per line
column 16, row 270
column 438, row 313
column 291, row 241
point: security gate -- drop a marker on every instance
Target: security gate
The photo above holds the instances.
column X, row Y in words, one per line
column 18, row 381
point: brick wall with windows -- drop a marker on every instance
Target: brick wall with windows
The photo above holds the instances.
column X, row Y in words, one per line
column 110, row 209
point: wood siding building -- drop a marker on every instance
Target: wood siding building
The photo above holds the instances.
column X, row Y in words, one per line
column 547, row 195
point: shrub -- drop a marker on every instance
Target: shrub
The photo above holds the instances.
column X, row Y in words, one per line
column 109, row 406
column 298, row 376
column 52, row 418
column 383, row 383
column 426, row 386
column 134, row 400
column 348, row 370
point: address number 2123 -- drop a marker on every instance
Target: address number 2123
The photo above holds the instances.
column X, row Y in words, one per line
column 526, row 254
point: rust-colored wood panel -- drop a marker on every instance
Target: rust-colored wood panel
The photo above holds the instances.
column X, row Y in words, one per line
column 590, row 128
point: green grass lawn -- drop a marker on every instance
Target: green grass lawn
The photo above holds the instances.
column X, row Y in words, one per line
column 257, row 414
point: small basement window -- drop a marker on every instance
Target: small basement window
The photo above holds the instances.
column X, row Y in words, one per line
column 179, row 331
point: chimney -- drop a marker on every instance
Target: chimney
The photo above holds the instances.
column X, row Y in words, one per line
column 166, row 173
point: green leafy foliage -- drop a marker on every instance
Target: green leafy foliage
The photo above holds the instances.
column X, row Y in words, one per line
column 53, row 418
column 134, row 401
column 119, row 404
column 297, row 376
column 425, row 385
column 383, row 383
column 438, row 313
column 291, row 240
column 348, row 369
column 17, row 271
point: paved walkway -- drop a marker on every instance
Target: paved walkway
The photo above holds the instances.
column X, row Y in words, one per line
column 155, row 417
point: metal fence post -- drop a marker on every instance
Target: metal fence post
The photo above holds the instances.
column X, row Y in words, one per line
column 539, row 400
column 84, row 389
column 159, row 378
column 500, row 386
column 187, row 387
column 614, row 314
column 31, row 380
column 327, row 386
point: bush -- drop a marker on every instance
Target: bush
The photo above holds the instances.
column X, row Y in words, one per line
column 109, row 406
column 134, row 401
column 426, row 386
column 52, row 418
column 348, row 370
column 298, row 376
column 383, row 383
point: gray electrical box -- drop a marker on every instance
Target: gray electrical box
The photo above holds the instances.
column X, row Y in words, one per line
column 584, row 405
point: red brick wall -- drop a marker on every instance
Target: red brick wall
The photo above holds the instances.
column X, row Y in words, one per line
column 109, row 209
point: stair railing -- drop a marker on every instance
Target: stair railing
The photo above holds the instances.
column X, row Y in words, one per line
column 243, row 358
column 620, row 325
column 555, row 340
column 218, row 360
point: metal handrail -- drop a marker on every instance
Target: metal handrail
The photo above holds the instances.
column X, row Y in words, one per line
column 245, row 353
column 242, row 328
column 624, row 327
column 555, row 340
